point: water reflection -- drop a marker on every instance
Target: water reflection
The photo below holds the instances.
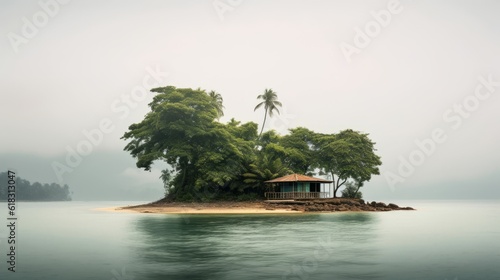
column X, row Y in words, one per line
column 314, row 246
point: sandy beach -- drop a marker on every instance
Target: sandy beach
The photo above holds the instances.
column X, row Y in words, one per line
column 201, row 208
column 259, row 207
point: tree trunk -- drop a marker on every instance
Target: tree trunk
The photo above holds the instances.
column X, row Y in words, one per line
column 263, row 123
column 336, row 188
column 334, row 185
column 359, row 184
column 357, row 190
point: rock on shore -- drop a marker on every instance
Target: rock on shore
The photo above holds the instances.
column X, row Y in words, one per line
column 333, row 205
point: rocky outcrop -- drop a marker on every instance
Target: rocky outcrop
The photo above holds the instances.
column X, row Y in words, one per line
column 333, row 205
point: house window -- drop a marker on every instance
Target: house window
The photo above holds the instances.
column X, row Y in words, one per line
column 302, row 187
column 315, row 187
column 287, row 187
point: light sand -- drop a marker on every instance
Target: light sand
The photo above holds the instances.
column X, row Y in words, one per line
column 189, row 210
column 258, row 207
column 245, row 208
column 114, row 209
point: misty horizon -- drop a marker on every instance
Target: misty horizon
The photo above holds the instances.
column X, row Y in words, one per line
column 421, row 78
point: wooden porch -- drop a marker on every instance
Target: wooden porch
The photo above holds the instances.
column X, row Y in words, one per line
column 295, row 195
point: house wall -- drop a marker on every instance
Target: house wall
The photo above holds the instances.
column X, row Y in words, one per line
column 299, row 187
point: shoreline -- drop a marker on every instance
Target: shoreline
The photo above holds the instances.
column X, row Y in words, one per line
column 199, row 208
column 330, row 205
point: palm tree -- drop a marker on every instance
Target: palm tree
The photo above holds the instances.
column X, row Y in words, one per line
column 166, row 177
column 217, row 102
column 264, row 169
column 270, row 103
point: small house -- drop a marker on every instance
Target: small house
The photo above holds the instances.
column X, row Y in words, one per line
column 295, row 186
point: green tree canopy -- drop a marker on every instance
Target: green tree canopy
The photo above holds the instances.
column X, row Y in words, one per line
column 348, row 154
column 181, row 130
column 217, row 101
column 299, row 153
column 204, row 154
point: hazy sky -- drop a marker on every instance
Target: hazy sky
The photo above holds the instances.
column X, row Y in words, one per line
column 402, row 71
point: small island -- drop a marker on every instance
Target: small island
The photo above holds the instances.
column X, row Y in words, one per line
column 27, row 191
column 264, row 207
column 237, row 168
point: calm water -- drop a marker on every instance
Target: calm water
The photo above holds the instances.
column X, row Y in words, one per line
column 69, row 240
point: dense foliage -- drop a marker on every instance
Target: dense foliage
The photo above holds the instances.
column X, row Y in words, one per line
column 351, row 190
column 34, row 192
column 209, row 159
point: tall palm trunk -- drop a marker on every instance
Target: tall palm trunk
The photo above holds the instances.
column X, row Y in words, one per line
column 263, row 123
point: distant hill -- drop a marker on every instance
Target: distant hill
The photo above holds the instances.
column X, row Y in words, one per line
column 34, row 192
